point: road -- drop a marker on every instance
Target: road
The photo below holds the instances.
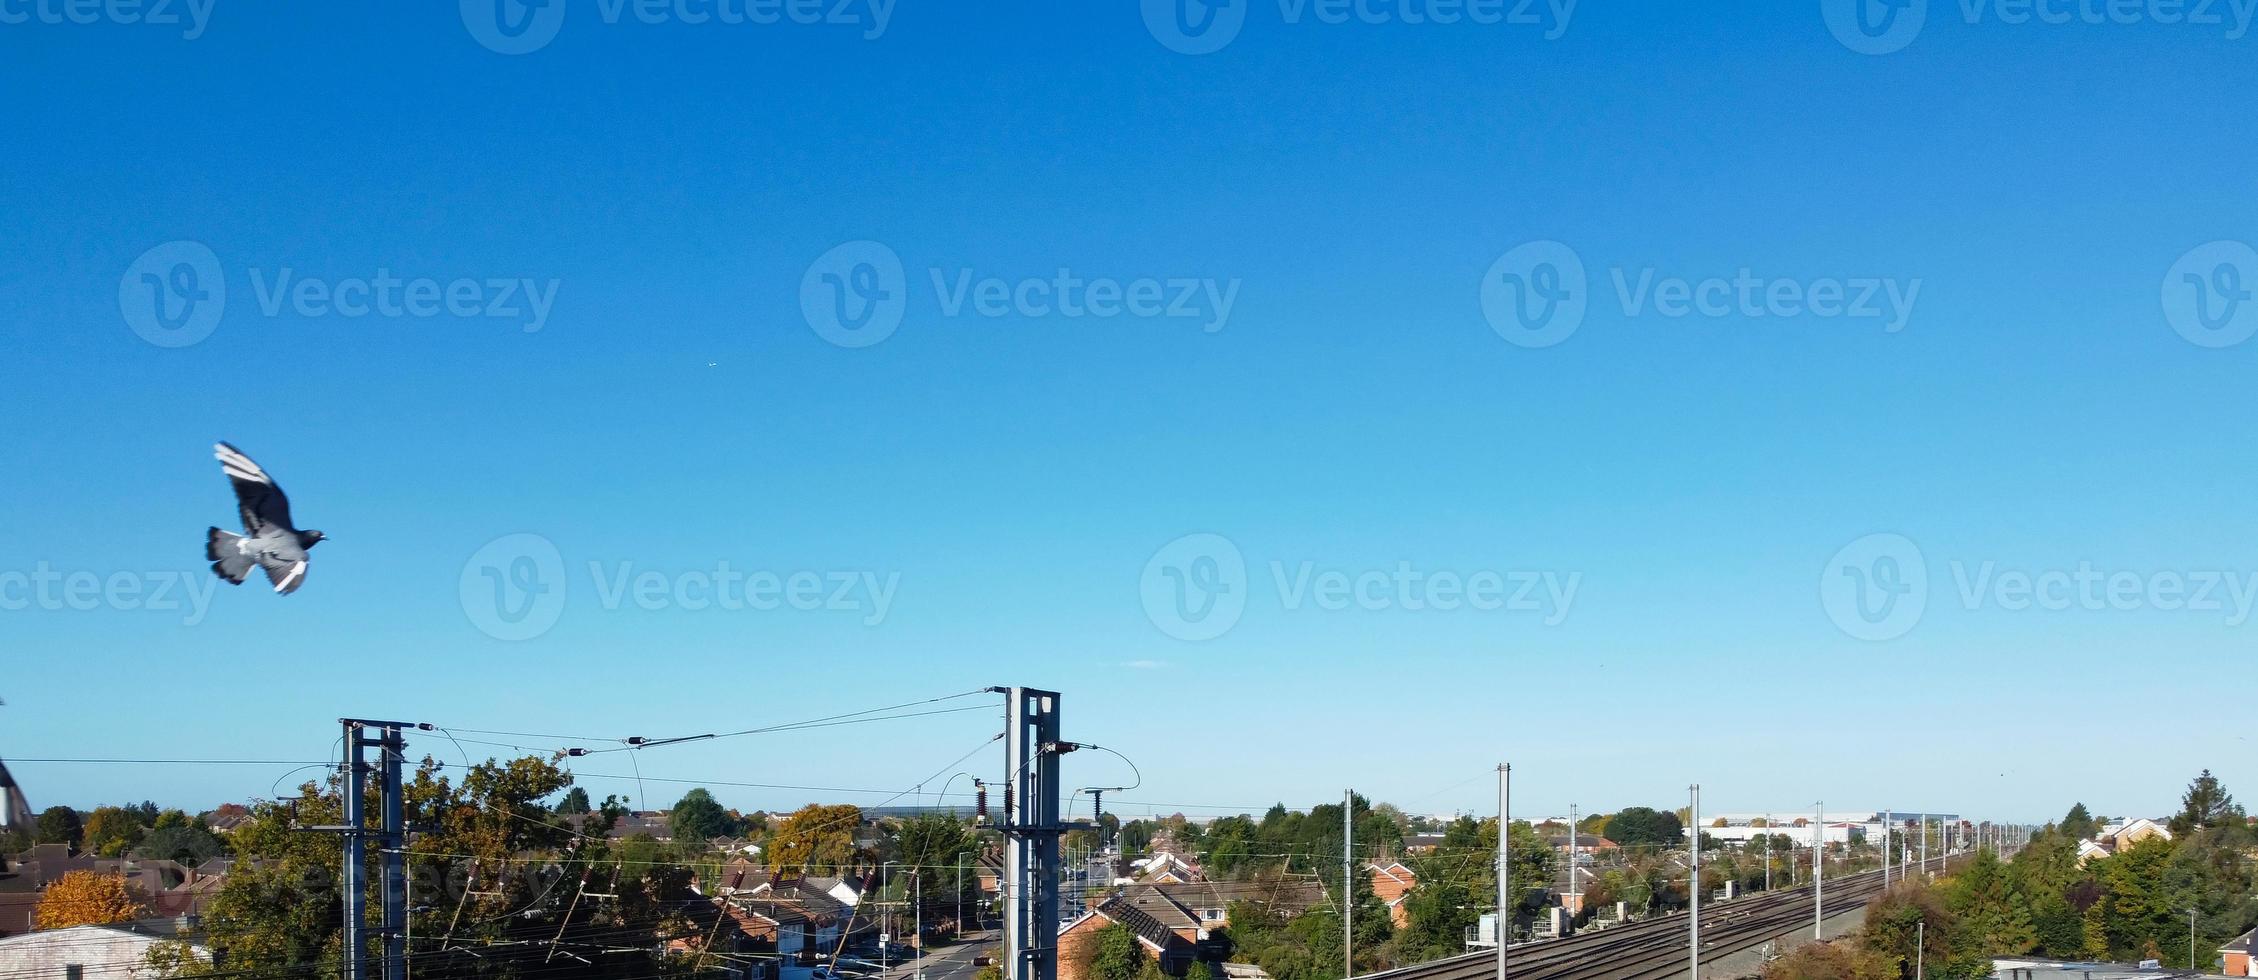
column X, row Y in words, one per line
column 951, row 962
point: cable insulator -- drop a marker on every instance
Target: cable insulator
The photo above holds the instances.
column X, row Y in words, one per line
column 980, row 800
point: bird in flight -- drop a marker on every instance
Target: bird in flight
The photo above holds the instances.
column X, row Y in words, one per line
column 268, row 540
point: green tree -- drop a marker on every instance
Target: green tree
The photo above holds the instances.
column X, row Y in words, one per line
column 2143, row 904
column 1114, row 954
column 1436, row 914
column 1640, row 826
column 1995, row 919
column 1830, row 961
column 1909, row 922
column 816, row 837
column 698, row 818
column 2078, row 824
column 187, row 844
column 60, row 825
column 1136, row 835
column 575, row 802
column 2205, row 804
column 111, row 831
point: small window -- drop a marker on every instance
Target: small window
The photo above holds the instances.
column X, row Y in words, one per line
column 74, row 971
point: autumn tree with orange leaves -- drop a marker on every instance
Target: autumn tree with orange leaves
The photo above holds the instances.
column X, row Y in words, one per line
column 83, row 898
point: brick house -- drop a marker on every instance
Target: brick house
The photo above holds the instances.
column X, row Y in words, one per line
column 2240, row 955
column 1208, row 903
column 1166, row 944
column 1391, row 883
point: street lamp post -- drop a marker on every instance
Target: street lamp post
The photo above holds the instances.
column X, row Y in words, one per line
column 885, row 932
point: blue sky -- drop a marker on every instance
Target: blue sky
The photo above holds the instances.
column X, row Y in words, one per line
column 1009, row 485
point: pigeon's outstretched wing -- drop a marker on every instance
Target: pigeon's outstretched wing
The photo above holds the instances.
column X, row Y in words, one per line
column 286, row 574
column 264, row 507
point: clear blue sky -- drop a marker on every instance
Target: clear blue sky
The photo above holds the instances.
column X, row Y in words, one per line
column 1355, row 181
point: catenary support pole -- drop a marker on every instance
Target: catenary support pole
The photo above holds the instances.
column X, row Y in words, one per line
column 1031, row 829
column 1575, row 903
column 355, row 933
column 1693, row 880
column 1504, row 931
column 1819, row 875
column 394, row 887
column 1348, row 882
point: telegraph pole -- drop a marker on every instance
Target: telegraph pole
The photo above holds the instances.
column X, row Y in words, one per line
column 1348, row 883
column 1504, row 862
column 1693, row 880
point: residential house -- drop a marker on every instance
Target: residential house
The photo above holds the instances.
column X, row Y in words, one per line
column 1167, row 866
column 101, row 952
column 227, row 819
column 1392, row 883
column 1422, row 843
column 1166, row 945
column 805, row 919
column 2126, row 833
column 1584, row 843
column 1572, row 891
column 650, row 823
column 2240, row 955
column 741, row 944
column 2090, row 851
column 2119, row 835
column 1196, row 908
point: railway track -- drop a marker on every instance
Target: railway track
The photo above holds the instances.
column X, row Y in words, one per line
column 1653, row 948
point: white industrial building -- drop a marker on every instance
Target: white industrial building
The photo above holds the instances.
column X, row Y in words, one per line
column 84, row 953
column 1841, row 827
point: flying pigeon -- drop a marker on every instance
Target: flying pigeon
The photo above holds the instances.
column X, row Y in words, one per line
column 269, row 540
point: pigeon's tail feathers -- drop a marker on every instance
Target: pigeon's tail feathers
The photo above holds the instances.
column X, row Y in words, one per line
column 227, row 555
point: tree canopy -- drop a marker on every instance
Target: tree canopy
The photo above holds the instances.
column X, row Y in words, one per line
column 84, row 898
column 699, row 817
column 1640, row 826
column 2205, row 804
